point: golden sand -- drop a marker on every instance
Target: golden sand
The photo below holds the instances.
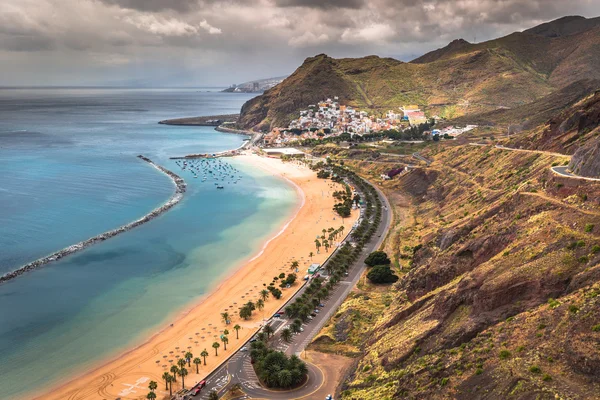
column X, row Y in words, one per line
column 127, row 375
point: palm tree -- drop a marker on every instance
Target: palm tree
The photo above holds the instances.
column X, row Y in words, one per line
column 295, row 264
column 213, row 395
column 181, row 363
column 197, row 361
column 225, row 332
column 326, row 245
column 260, row 304
column 152, row 386
column 151, row 396
column 225, row 317
column 188, row 357
column 341, row 229
column 237, row 334
column 204, row 354
column 318, row 245
column 225, row 341
column 264, row 294
column 268, row 329
column 216, row 346
column 286, row 335
column 311, row 254
column 285, row 378
column 170, row 381
column 174, row 370
column 183, row 373
column 324, row 231
column 166, row 377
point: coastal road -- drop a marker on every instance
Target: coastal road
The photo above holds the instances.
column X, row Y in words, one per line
column 564, row 171
column 238, row 370
column 420, row 157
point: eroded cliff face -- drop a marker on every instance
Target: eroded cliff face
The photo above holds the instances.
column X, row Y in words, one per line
column 500, row 263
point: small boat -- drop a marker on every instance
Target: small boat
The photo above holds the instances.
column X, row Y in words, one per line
column 220, row 187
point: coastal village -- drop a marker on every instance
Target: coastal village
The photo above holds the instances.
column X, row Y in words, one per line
column 330, row 118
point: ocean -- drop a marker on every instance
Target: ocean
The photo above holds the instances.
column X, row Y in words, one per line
column 69, row 172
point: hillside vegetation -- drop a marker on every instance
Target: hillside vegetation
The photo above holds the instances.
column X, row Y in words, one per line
column 499, row 289
column 460, row 79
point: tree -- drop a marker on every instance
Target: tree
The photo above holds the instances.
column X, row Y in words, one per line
column 264, row 294
column 237, row 328
column 213, row 395
column 285, row 378
column 295, row 264
column 151, row 396
column 377, row 258
column 170, row 381
column 382, row 274
column 188, row 357
column 225, row 317
column 260, row 304
column 181, row 363
column 326, row 245
column 216, row 346
column 183, row 373
column 197, row 361
column 225, row 340
column 174, row 370
column 245, row 313
column 286, row 335
column 318, row 245
column 204, row 354
column 268, row 329
column 152, row 386
column 311, row 254
column 166, row 377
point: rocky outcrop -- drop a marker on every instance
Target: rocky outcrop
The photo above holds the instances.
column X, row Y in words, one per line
column 180, row 188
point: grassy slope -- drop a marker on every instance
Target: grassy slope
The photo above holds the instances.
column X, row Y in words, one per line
column 496, row 229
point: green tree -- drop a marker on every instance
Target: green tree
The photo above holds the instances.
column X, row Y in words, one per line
column 216, row 346
column 286, row 335
column 245, row 313
column 174, row 370
column 225, row 317
column 188, row 357
column 213, row 395
column 181, row 363
column 225, row 340
column 204, row 354
column 264, row 294
column 318, row 245
column 152, row 386
column 285, row 378
column 260, row 304
column 237, row 333
column 268, row 329
column 170, row 382
column 166, row 377
column 197, row 361
column 183, row 373
column 295, row 264
column 311, row 254
column 377, row 258
column 382, row 274
column 151, row 396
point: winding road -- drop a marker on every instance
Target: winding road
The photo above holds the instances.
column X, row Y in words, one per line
column 238, row 370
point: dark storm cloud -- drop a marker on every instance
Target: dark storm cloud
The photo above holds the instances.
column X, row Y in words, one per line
column 322, row 4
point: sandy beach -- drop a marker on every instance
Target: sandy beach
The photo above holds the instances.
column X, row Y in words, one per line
column 194, row 330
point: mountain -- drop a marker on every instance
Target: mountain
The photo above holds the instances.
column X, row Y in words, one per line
column 460, row 79
column 257, row 86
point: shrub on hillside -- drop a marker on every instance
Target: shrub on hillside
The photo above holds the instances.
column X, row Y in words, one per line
column 382, row 274
column 377, row 258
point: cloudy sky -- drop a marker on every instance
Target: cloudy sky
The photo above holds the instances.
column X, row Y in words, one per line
column 220, row 42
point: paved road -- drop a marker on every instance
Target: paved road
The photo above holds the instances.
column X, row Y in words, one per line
column 564, row 171
column 238, row 368
column 420, row 157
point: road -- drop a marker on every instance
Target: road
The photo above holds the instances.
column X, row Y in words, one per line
column 238, row 370
column 420, row 157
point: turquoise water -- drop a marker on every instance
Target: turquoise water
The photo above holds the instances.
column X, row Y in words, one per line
column 69, row 172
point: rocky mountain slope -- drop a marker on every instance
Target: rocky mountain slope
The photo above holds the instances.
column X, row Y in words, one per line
column 500, row 283
column 462, row 78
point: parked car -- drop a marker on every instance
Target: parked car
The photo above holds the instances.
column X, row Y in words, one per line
column 277, row 315
column 321, row 305
column 316, row 311
column 244, row 348
column 313, row 314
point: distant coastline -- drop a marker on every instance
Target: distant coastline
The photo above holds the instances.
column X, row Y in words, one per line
column 211, row 120
column 180, row 188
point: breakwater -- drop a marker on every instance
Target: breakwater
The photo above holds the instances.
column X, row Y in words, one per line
column 180, row 188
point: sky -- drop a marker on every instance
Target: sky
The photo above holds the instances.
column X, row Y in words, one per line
column 223, row 42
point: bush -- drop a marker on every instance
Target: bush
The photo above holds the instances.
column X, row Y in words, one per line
column 377, row 258
column 596, row 328
column 382, row 274
column 504, row 354
column 534, row 369
column 589, row 227
column 546, row 378
column 595, row 249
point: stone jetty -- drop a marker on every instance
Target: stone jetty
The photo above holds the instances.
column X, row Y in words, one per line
column 180, row 188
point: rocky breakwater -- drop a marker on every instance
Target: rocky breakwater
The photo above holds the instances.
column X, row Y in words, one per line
column 180, row 188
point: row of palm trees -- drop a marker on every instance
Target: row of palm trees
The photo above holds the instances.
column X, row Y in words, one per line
column 327, row 241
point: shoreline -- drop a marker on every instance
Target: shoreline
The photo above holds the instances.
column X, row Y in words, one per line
column 207, row 307
column 180, row 188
